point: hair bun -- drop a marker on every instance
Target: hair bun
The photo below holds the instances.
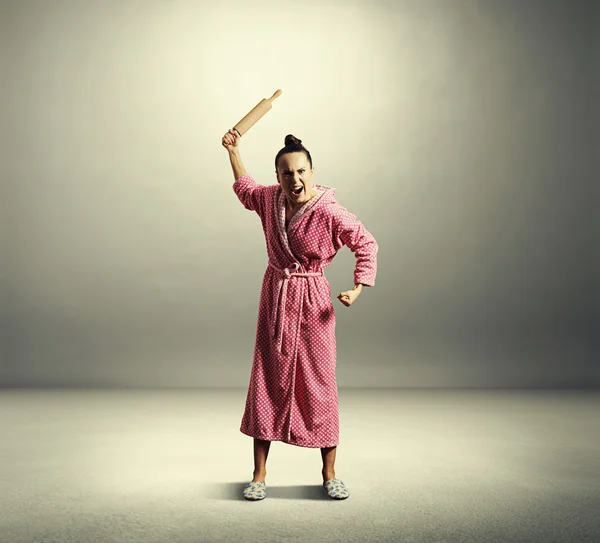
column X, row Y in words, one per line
column 292, row 140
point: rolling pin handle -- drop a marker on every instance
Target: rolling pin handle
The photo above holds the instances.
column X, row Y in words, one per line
column 275, row 95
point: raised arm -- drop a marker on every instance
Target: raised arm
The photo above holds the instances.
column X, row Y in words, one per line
column 231, row 142
column 248, row 191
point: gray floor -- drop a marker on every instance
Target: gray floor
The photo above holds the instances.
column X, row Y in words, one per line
column 421, row 465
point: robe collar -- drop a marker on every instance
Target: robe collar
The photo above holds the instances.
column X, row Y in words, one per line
column 325, row 194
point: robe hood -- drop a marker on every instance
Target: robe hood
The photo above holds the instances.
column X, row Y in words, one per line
column 328, row 193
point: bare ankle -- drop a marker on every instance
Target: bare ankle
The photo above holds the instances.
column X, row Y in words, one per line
column 259, row 475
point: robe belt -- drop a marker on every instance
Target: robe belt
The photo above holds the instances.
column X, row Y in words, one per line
column 286, row 274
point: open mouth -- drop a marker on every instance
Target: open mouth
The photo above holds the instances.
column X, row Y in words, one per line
column 297, row 191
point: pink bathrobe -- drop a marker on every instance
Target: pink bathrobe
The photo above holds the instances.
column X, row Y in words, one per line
column 292, row 396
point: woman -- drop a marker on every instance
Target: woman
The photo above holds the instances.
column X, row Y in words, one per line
column 292, row 396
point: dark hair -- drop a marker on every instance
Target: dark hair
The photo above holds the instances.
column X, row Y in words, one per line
column 293, row 145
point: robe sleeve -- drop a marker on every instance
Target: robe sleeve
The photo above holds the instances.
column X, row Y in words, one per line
column 349, row 231
column 250, row 193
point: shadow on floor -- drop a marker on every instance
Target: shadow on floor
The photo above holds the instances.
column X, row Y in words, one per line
column 233, row 491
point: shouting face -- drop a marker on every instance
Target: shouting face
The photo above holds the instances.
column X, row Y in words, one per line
column 294, row 174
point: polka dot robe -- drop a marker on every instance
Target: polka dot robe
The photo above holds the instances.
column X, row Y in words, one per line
column 292, row 395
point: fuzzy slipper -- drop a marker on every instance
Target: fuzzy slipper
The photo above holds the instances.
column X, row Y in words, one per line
column 336, row 489
column 255, row 491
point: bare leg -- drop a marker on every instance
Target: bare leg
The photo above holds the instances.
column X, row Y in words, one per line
column 261, row 452
column 328, row 455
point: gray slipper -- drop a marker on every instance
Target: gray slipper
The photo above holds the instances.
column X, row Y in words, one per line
column 255, row 491
column 336, row 489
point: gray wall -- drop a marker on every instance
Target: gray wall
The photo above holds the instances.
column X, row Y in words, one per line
column 459, row 132
column 595, row 190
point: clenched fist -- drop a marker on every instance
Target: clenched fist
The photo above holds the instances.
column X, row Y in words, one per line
column 350, row 296
column 231, row 140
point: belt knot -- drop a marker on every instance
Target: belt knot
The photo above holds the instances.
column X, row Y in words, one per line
column 287, row 272
column 278, row 319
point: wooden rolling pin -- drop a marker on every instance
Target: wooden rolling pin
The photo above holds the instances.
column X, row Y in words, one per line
column 255, row 114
